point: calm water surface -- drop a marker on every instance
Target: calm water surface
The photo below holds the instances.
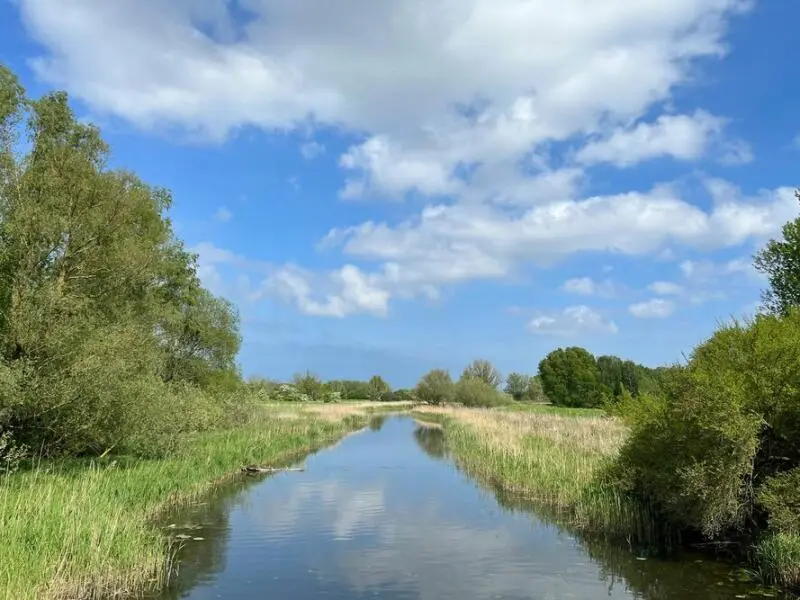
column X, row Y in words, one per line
column 385, row 515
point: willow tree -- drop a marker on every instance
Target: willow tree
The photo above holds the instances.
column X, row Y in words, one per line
column 100, row 302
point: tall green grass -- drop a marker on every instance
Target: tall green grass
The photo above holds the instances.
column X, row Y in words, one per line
column 777, row 558
column 87, row 530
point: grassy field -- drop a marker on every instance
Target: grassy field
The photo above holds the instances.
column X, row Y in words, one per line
column 550, row 456
column 86, row 530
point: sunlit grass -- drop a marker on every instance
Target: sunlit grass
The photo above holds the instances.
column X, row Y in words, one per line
column 83, row 530
column 550, row 456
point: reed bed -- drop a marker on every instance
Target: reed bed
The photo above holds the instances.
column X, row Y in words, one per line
column 551, row 457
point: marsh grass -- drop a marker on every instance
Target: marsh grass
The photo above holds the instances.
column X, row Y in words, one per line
column 551, row 457
column 74, row 529
column 777, row 558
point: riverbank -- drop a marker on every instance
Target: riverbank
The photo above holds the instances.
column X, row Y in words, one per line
column 554, row 458
column 551, row 457
column 73, row 529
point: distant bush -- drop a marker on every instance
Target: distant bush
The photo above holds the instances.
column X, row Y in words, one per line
column 436, row 387
column 477, row 393
column 524, row 388
column 378, row 388
column 401, row 395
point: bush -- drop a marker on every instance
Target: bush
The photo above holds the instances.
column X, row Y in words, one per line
column 435, row 387
column 727, row 423
column 401, row 395
column 11, row 454
column 476, row 392
column 780, row 497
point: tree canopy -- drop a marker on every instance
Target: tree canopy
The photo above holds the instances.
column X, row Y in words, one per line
column 571, row 377
column 484, row 370
column 103, row 319
column 779, row 260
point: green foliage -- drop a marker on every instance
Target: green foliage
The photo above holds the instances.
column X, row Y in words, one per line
column 728, row 422
column 617, row 374
column 350, row 389
column 102, row 316
column 524, row 388
column 310, row 385
column 780, row 496
column 436, row 387
column 401, row 395
column 777, row 557
column 535, row 392
column 570, row 377
column 483, row 370
column 517, row 386
column 378, row 388
column 11, row 454
column 475, row 392
column 780, row 262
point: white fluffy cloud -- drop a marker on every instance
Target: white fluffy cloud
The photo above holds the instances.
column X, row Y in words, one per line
column 437, row 114
column 572, row 321
column 657, row 308
column 338, row 294
column 684, row 137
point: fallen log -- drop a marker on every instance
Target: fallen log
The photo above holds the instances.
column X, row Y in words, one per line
column 253, row 469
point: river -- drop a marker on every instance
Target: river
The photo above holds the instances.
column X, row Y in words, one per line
column 385, row 514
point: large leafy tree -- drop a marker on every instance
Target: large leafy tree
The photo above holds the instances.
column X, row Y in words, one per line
column 570, row 377
column 99, row 302
column 779, row 260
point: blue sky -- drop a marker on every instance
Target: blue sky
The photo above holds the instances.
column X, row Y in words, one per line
column 392, row 187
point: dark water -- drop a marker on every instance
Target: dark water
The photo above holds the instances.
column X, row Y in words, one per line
column 384, row 515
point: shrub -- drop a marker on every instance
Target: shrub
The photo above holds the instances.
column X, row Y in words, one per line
column 401, row 395
column 727, row 423
column 11, row 454
column 435, row 387
column 476, row 392
column 780, row 496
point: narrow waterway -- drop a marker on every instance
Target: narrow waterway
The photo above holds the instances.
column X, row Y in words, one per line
column 384, row 514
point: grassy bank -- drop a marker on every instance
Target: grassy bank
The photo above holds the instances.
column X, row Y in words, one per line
column 550, row 456
column 86, row 530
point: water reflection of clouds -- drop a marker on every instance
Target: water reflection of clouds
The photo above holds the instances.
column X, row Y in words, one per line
column 421, row 547
column 330, row 505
